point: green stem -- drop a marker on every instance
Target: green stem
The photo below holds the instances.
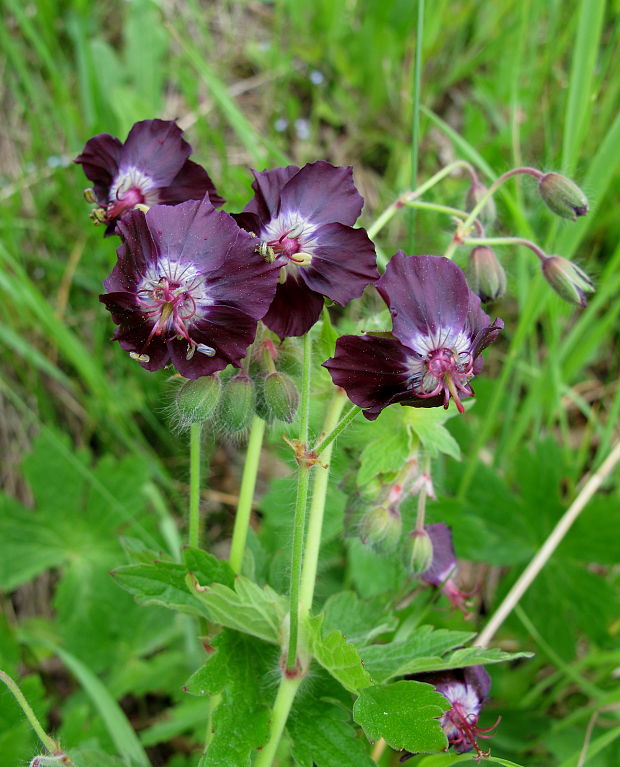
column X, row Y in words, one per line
column 407, row 197
column 337, row 430
column 317, row 510
column 246, row 493
column 49, row 743
column 458, row 239
column 279, row 714
column 415, row 117
column 444, row 209
column 507, row 241
column 299, row 522
column 421, row 512
column 194, row 484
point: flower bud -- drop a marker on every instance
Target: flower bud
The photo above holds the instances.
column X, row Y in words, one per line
column 197, row 399
column 474, row 194
column 381, row 527
column 485, row 274
column 237, row 403
column 562, row 196
column 567, row 279
column 281, row 396
column 419, row 552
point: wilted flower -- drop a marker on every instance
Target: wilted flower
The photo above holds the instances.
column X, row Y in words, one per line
column 562, row 196
column 304, row 219
column 443, row 566
column 152, row 166
column 438, row 333
column 188, row 288
column 466, row 689
column 569, row 281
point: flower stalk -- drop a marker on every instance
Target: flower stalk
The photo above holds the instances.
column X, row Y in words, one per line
column 194, row 484
column 48, row 743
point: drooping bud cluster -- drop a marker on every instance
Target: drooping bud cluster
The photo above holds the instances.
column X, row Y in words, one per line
column 562, row 196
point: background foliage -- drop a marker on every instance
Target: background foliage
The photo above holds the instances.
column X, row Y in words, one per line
column 94, row 474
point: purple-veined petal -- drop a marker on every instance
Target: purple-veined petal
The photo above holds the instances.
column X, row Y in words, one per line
column 192, row 182
column 156, row 147
column 136, row 252
column 267, row 186
column 294, row 309
column 427, row 295
column 323, row 193
column 343, row 263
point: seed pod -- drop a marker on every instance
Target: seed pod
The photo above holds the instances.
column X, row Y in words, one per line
column 381, row 527
column 237, row 403
column 485, row 274
column 197, row 399
column 569, row 281
column 562, row 196
column 281, row 396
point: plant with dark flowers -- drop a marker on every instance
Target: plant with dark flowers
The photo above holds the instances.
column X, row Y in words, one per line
column 304, row 220
column 438, row 333
column 151, row 167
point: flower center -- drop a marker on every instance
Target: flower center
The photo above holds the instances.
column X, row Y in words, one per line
column 172, row 296
column 290, row 238
column 131, row 187
column 461, row 728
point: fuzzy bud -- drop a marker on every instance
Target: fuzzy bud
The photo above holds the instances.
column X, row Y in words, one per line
column 237, row 403
column 485, row 274
column 569, row 281
column 419, row 552
column 197, row 399
column 475, row 193
column 281, row 396
column 381, row 527
column 562, row 196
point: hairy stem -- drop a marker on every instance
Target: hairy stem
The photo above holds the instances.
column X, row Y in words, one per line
column 507, row 241
column 337, row 430
column 49, row 743
column 194, row 484
column 317, row 510
column 279, row 714
column 246, row 493
column 299, row 522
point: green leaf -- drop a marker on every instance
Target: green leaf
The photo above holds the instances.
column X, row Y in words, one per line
column 237, row 678
column 357, row 618
column 386, row 453
column 249, row 608
column 405, row 714
column 161, row 583
column 207, row 568
column 427, row 423
column 337, row 656
column 466, row 656
column 395, row 659
column 323, row 736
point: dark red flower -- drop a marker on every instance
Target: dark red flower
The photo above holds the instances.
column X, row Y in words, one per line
column 188, row 288
column 438, row 333
column 151, row 167
column 304, row 219
column 466, row 689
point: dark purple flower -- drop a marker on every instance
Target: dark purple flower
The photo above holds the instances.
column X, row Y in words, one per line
column 438, row 333
column 151, row 167
column 466, row 689
column 304, row 219
column 443, row 566
column 188, row 288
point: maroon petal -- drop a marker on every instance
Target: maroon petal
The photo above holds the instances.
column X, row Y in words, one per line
column 100, row 159
column 267, row 186
column 156, row 147
column 424, row 294
column 192, row 182
column 477, row 677
column 225, row 329
column 294, row 309
column 323, row 193
column 444, row 558
column 372, row 370
column 343, row 263
column 136, row 252
column 244, row 281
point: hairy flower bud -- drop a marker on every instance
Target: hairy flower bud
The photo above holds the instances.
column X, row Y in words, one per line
column 281, row 396
column 569, row 281
column 485, row 274
column 197, row 399
column 237, row 403
column 474, row 194
column 381, row 527
column 563, row 196
column 419, row 552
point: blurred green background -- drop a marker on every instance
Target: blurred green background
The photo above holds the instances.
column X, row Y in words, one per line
column 262, row 84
